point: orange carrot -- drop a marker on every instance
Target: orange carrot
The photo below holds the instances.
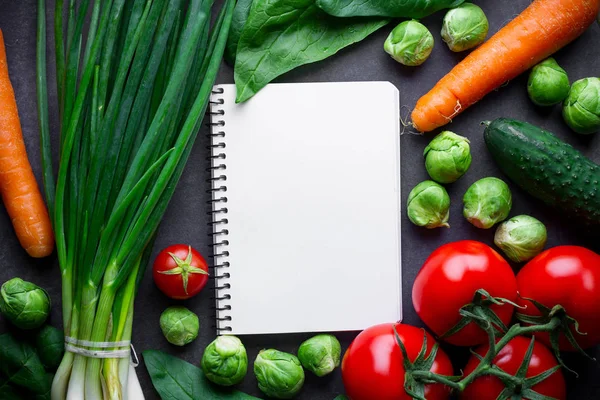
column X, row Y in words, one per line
column 18, row 187
column 539, row 31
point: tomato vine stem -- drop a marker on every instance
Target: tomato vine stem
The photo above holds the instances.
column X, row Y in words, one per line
column 485, row 366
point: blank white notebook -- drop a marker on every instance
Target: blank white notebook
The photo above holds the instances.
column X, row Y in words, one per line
column 306, row 205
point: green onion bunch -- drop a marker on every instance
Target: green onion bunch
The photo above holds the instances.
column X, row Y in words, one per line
column 133, row 79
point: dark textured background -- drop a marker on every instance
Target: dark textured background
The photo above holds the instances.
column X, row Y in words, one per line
column 185, row 220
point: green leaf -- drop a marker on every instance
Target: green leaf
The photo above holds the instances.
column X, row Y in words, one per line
column 21, row 364
column 240, row 16
column 42, row 106
column 341, row 397
column 175, row 379
column 46, row 395
column 281, row 35
column 7, row 391
column 50, row 345
column 385, row 8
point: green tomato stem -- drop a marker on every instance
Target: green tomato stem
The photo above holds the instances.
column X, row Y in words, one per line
column 485, row 365
column 502, row 375
column 487, row 361
column 430, row 376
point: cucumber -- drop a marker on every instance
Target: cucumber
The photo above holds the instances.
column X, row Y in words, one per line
column 546, row 168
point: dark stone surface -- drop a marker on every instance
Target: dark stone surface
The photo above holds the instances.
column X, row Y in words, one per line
column 185, row 220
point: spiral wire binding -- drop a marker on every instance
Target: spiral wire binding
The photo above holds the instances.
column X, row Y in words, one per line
column 218, row 213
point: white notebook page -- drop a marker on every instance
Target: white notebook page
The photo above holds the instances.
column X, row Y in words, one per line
column 313, row 203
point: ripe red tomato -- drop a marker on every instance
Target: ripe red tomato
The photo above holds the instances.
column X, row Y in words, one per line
column 569, row 276
column 372, row 366
column 448, row 280
column 509, row 360
column 180, row 271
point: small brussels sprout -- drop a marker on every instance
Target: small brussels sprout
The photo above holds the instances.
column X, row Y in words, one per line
column 464, row 27
column 410, row 43
column 548, row 83
column 50, row 346
column 280, row 375
column 487, row 202
column 581, row 110
column 24, row 304
column 179, row 325
column 428, row 205
column 447, row 157
column 521, row 238
column 320, row 354
column 225, row 361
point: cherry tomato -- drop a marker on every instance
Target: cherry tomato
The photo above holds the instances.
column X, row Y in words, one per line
column 509, row 360
column 372, row 366
column 180, row 271
column 448, row 281
column 569, row 276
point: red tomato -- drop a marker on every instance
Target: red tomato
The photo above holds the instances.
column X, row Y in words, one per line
column 448, row 281
column 180, row 271
column 569, row 276
column 372, row 366
column 509, row 360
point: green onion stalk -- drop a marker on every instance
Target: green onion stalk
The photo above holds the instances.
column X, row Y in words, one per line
column 133, row 79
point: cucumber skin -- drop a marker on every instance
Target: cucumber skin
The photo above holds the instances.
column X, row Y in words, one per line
column 546, row 168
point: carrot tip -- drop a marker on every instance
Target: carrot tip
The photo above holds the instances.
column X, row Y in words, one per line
column 40, row 251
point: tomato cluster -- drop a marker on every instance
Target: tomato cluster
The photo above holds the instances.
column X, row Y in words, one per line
column 564, row 278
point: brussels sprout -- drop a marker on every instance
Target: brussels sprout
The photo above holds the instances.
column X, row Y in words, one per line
column 320, row 354
column 521, row 238
column 581, row 110
column 464, row 27
column 410, row 43
column 24, row 304
column 548, row 83
column 50, row 346
column 225, row 361
column 447, row 157
column 487, row 202
column 280, row 375
column 428, row 205
column 179, row 325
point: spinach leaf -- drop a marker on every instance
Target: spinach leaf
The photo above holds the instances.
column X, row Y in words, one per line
column 385, row 8
column 50, row 345
column 240, row 15
column 175, row 379
column 20, row 363
column 7, row 391
column 48, row 394
column 281, row 35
